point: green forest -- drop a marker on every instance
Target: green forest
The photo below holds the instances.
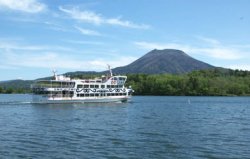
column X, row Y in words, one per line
column 215, row 82
column 15, row 86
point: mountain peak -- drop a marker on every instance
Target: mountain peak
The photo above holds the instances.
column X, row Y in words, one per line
column 167, row 51
column 163, row 61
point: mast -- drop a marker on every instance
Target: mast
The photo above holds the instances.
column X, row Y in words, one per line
column 110, row 71
column 54, row 73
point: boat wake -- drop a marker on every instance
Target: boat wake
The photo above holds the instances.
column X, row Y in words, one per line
column 2, row 103
column 15, row 102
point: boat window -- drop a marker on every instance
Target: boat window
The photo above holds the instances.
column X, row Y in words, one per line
column 56, row 84
column 86, row 86
column 92, row 95
column 108, row 86
column 86, row 95
column 79, row 86
column 102, row 86
column 121, row 78
column 119, row 86
column 115, row 78
column 96, row 86
column 92, row 86
column 40, row 92
column 112, row 86
column 70, row 85
column 42, row 83
column 96, row 94
column 63, row 84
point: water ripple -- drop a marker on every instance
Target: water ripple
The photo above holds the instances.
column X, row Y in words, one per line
column 148, row 127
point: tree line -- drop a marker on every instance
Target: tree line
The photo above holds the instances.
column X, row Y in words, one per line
column 214, row 82
column 4, row 90
column 15, row 86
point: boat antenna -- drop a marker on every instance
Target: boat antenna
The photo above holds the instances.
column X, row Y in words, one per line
column 54, row 73
column 110, row 71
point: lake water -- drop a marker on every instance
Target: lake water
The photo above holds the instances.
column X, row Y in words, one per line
column 147, row 127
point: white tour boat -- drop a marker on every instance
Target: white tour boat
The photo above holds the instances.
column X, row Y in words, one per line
column 65, row 90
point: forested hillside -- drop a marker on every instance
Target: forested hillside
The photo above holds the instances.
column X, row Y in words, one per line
column 15, row 86
column 214, row 82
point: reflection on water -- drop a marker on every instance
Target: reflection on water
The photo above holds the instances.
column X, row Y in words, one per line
column 147, row 127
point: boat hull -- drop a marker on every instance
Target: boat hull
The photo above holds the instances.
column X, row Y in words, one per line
column 44, row 99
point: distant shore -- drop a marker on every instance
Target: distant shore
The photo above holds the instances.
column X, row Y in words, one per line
column 214, row 82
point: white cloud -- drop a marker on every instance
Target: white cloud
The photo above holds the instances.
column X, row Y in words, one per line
column 9, row 46
column 208, row 40
column 118, row 21
column 54, row 60
column 87, row 31
column 3, row 67
column 16, row 55
column 86, row 16
column 101, row 64
column 217, row 51
column 84, row 42
column 239, row 66
column 97, row 19
column 56, row 27
column 152, row 45
column 29, row 6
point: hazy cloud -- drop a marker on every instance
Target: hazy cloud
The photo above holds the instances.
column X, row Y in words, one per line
column 217, row 51
column 14, row 55
column 28, row 6
column 239, row 66
column 87, row 31
column 208, row 40
column 12, row 46
column 84, row 42
column 55, row 60
column 98, row 19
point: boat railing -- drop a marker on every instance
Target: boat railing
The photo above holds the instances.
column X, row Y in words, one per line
column 52, row 86
column 92, row 81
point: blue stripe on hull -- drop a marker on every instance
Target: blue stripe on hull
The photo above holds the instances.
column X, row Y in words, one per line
column 40, row 99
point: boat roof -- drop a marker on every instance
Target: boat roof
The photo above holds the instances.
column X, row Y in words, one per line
column 80, row 80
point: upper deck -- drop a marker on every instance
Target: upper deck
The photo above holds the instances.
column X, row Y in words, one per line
column 76, row 83
column 61, row 82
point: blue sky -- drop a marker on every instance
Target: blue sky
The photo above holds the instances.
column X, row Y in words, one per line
column 37, row 36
